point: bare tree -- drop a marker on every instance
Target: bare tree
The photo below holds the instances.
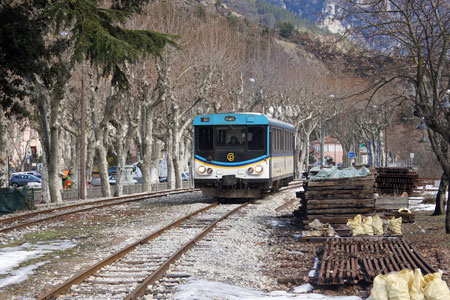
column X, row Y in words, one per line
column 414, row 35
column 4, row 155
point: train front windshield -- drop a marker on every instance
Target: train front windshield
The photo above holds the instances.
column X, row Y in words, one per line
column 231, row 138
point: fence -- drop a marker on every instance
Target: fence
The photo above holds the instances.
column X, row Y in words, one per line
column 12, row 200
column 96, row 192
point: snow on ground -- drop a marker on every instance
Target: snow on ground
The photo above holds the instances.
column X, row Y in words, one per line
column 207, row 290
column 313, row 271
column 416, row 204
column 422, row 206
column 306, row 288
column 11, row 258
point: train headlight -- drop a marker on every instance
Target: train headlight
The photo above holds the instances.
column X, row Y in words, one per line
column 210, row 170
column 259, row 169
column 201, row 170
column 250, row 170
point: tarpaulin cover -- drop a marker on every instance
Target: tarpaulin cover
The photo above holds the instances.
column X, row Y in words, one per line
column 334, row 172
column 12, row 200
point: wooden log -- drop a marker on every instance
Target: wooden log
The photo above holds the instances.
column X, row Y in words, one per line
column 367, row 187
column 341, row 181
column 339, row 194
column 340, row 203
column 331, row 220
column 335, row 226
column 391, row 202
column 340, row 211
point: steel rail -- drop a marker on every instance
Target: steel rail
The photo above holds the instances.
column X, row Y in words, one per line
column 283, row 206
column 44, row 211
column 295, row 184
column 140, row 290
column 115, row 202
column 81, row 276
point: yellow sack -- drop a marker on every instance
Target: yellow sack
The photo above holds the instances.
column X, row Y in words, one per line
column 379, row 291
column 355, row 225
column 377, row 225
column 395, row 224
column 367, row 225
column 397, row 286
column 435, row 287
column 416, row 284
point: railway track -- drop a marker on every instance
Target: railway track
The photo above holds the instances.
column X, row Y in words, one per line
column 128, row 273
column 292, row 185
column 33, row 218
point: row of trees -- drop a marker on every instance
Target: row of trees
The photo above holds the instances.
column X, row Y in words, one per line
column 411, row 41
column 143, row 87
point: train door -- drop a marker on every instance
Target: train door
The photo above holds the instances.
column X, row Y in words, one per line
column 270, row 150
column 296, row 156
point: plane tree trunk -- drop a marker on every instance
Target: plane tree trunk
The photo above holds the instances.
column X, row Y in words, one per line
column 4, row 157
column 151, row 101
column 441, row 197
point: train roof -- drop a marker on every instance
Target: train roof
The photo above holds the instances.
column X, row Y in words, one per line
column 240, row 119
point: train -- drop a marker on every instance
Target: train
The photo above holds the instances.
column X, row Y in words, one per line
column 242, row 155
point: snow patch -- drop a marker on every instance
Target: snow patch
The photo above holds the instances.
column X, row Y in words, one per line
column 207, row 290
column 12, row 257
column 306, row 288
column 276, row 223
column 417, row 204
column 423, row 207
column 312, row 273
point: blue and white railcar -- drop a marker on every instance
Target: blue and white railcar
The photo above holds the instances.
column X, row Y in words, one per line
column 240, row 155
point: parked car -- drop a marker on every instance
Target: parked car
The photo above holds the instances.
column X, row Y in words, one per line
column 17, row 180
column 185, row 176
column 112, row 181
column 34, row 173
column 96, row 181
column 112, row 170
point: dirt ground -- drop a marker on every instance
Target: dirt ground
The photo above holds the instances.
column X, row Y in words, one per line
column 293, row 258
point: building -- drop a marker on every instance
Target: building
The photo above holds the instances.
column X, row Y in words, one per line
column 332, row 149
column 25, row 148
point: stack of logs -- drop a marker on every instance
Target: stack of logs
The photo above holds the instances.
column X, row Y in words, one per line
column 395, row 181
column 334, row 201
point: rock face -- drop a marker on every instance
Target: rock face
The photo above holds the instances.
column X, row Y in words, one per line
column 319, row 12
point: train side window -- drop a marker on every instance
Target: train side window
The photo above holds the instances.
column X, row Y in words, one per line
column 205, row 138
column 279, row 138
column 275, row 139
column 255, row 138
column 290, row 141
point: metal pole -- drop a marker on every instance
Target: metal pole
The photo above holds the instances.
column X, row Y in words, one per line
column 322, row 163
column 386, row 148
column 82, row 183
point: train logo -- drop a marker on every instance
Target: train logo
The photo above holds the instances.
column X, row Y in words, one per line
column 230, row 156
